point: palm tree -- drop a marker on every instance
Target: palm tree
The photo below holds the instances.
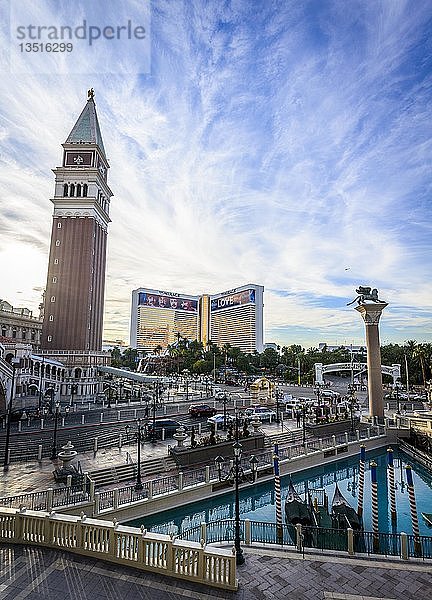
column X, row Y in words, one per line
column 421, row 355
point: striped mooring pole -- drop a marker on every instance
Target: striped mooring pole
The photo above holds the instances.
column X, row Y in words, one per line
column 278, row 499
column 374, row 487
column 391, row 474
column 361, row 480
column 413, row 509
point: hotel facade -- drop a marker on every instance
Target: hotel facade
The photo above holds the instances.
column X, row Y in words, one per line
column 233, row 317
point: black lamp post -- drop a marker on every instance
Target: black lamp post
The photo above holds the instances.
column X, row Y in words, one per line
column 153, row 431
column 303, row 409
column 139, row 485
column 351, row 405
column 224, row 400
column 277, row 406
column 74, row 389
column 15, row 364
column 397, row 400
column 41, row 369
column 54, row 446
column 219, row 460
column 239, row 552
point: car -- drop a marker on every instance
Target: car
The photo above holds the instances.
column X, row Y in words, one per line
column 201, row 410
column 328, row 395
column 218, row 419
column 262, row 412
column 169, row 425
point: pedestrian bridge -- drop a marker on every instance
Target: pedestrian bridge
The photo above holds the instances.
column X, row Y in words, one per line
column 355, row 368
column 133, row 376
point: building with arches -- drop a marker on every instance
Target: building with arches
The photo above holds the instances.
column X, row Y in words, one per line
column 19, row 324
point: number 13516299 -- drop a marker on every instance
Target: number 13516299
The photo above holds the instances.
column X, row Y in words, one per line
column 46, row 47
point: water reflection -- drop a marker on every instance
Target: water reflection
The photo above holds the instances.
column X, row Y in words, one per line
column 257, row 502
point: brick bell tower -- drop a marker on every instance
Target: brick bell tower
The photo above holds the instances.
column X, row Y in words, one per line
column 74, row 297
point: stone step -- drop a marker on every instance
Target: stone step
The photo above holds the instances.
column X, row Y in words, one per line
column 126, row 472
column 286, row 438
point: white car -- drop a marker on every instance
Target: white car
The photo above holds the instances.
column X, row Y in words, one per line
column 328, row 395
column 218, row 419
column 262, row 412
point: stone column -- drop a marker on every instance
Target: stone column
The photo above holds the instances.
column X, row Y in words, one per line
column 371, row 313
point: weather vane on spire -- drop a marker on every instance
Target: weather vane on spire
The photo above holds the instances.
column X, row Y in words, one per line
column 90, row 94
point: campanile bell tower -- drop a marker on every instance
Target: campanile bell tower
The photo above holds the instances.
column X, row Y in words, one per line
column 74, row 297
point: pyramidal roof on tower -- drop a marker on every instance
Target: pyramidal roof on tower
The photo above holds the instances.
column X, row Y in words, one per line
column 86, row 130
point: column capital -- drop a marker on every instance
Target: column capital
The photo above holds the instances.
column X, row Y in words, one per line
column 371, row 313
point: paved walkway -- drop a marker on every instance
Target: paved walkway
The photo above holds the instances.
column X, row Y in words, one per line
column 39, row 574
column 33, row 476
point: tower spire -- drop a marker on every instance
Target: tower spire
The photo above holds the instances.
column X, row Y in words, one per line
column 86, row 130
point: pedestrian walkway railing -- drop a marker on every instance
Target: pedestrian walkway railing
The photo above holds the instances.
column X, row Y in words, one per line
column 313, row 539
column 129, row 546
column 109, row 500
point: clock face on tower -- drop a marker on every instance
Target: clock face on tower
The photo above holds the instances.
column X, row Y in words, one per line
column 79, row 159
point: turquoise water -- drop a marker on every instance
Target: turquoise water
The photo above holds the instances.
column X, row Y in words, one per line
column 257, row 502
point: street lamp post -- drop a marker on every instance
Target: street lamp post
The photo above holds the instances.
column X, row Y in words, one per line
column 139, row 485
column 351, row 404
column 41, row 369
column 224, row 400
column 303, row 408
column 277, row 406
column 54, row 447
column 153, row 432
column 235, row 475
column 15, row 364
column 239, row 552
column 397, row 400
column 74, row 389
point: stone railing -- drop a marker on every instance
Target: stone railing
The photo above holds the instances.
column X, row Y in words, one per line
column 119, row 544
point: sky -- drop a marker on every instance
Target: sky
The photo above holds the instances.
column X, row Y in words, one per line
column 277, row 142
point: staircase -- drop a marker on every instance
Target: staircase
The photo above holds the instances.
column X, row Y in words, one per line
column 287, row 438
column 127, row 472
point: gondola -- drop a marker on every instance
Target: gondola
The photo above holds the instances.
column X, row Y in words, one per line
column 343, row 514
column 296, row 510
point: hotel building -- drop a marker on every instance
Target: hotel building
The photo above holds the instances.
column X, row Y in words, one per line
column 233, row 317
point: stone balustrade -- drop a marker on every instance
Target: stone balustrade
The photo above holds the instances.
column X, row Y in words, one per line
column 120, row 544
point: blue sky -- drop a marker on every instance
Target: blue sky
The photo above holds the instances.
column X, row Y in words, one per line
column 285, row 143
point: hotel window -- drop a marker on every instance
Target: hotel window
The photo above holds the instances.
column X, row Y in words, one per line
column 56, row 261
column 57, row 242
column 49, row 338
column 52, row 299
column 51, row 318
column 59, row 225
column 54, row 280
